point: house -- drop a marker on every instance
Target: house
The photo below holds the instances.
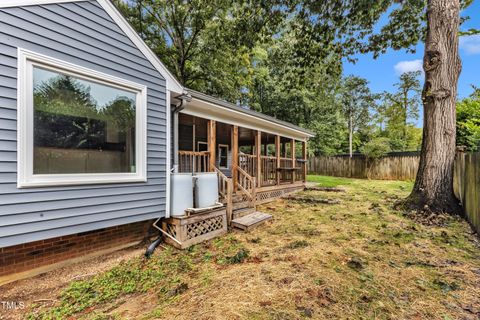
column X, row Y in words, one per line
column 91, row 126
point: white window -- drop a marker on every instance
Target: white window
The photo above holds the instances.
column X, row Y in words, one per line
column 77, row 126
column 202, row 146
column 223, row 156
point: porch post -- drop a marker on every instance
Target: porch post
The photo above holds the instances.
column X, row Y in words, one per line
column 293, row 160
column 212, row 137
column 277, row 155
column 258, row 153
column 304, row 156
column 234, row 156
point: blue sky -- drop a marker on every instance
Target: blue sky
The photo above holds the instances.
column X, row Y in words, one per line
column 383, row 72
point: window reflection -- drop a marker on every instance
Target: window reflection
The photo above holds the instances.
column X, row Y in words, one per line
column 81, row 126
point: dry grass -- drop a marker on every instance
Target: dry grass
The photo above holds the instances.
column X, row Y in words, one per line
column 358, row 259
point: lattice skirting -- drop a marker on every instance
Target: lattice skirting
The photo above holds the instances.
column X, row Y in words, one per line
column 267, row 196
column 195, row 228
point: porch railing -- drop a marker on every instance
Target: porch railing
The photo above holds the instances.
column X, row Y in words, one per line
column 225, row 189
column 248, row 163
column 246, row 183
column 269, row 170
column 285, row 175
column 193, row 161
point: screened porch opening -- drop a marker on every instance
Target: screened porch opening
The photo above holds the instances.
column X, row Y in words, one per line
column 206, row 146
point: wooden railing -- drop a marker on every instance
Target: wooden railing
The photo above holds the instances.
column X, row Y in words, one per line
column 285, row 175
column 247, row 185
column 225, row 189
column 193, row 161
column 247, row 163
column 269, row 170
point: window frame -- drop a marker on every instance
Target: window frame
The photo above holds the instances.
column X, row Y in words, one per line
column 201, row 143
column 219, row 156
column 25, row 130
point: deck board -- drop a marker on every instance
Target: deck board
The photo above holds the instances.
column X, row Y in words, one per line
column 251, row 220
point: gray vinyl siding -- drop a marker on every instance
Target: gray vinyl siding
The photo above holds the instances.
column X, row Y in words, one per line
column 81, row 33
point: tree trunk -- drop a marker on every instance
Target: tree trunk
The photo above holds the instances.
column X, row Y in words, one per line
column 350, row 134
column 405, row 117
column 433, row 190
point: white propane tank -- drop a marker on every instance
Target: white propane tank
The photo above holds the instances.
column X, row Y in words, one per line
column 181, row 193
column 206, row 189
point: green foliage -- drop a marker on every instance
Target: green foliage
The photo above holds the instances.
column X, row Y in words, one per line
column 207, row 45
column 376, row 148
column 284, row 58
column 357, row 100
column 238, row 257
column 397, row 111
column 468, row 123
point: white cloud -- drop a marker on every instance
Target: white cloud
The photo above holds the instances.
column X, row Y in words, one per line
column 470, row 44
column 407, row 66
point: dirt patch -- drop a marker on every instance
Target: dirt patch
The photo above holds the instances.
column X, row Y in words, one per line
column 42, row 290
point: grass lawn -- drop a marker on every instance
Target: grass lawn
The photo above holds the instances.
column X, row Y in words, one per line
column 358, row 259
column 325, row 181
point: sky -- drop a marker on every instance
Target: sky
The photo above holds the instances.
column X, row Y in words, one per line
column 384, row 71
column 102, row 94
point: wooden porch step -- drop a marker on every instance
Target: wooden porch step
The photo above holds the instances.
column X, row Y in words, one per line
column 240, row 205
column 242, row 212
column 237, row 198
column 251, row 220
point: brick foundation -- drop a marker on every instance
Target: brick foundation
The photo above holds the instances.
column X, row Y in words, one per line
column 28, row 256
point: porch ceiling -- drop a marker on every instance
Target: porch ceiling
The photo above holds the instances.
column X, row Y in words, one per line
column 210, row 108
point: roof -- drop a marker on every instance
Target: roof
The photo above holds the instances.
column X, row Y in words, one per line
column 205, row 97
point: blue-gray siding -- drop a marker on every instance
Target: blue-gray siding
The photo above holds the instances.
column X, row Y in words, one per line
column 84, row 34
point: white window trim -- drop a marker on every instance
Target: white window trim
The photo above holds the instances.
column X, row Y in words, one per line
column 26, row 178
column 201, row 143
column 228, row 150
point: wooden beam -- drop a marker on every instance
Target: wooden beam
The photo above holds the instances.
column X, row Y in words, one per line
column 258, row 153
column 293, row 159
column 234, row 156
column 304, row 155
column 212, row 142
column 277, row 155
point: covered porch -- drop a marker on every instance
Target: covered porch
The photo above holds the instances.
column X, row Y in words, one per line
column 240, row 153
column 257, row 158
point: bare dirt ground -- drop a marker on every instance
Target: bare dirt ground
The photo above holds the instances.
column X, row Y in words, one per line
column 355, row 258
column 42, row 290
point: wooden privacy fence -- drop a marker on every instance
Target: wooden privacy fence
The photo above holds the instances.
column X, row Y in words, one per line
column 395, row 166
column 466, row 184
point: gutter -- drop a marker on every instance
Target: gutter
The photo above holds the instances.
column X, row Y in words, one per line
column 184, row 99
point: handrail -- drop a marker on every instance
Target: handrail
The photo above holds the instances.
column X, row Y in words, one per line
column 246, row 183
column 193, row 153
column 225, row 188
column 222, row 182
column 247, row 155
column 268, row 157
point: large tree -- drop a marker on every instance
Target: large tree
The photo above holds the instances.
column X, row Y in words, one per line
column 406, row 98
column 205, row 43
column 397, row 111
column 433, row 189
column 357, row 100
column 354, row 24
